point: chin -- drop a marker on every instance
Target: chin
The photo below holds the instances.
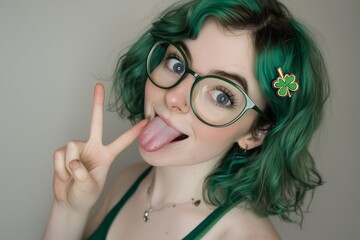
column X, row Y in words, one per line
column 159, row 158
column 170, row 156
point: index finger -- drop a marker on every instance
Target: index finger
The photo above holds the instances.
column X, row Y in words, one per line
column 119, row 144
column 96, row 128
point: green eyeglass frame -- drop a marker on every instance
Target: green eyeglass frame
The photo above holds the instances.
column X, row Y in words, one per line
column 248, row 105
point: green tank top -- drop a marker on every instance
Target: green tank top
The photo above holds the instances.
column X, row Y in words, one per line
column 201, row 229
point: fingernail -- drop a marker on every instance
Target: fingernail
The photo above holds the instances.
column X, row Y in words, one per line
column 74, row 164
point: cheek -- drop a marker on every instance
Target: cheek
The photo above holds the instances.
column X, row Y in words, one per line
column 232, row 132
column 215, row 141
column 152, row 94
column 147, row 100
column 148, row 90
column 211, row 144
column 220, row 138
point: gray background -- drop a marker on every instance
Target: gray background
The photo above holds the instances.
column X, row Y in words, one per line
column 53, row 52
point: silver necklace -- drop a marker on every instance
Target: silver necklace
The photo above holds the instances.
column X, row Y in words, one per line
column 151, row 208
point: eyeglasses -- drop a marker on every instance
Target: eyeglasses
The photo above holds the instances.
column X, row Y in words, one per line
column 215, row 100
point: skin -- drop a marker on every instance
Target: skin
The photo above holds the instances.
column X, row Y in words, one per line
column 214, row 49
column 180, row 168
column 80, row 170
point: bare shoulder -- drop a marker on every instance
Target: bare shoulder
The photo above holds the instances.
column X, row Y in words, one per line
column 241, row 223
column 125, row 178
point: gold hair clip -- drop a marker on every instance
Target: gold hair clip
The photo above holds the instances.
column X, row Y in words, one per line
column 285, row 83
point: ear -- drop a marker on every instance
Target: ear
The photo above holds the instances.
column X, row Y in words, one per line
column 251, row 140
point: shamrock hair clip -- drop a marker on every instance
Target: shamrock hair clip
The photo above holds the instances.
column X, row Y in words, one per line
column 285, row 83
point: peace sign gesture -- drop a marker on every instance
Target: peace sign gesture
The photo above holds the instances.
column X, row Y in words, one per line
column 81, row 167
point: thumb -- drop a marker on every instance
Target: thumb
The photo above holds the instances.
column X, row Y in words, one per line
column 85, row 190
column 81, row 174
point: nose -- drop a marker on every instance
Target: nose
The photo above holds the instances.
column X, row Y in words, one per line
column 178, row 98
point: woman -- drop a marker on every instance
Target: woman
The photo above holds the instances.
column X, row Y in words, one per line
column 232, row 92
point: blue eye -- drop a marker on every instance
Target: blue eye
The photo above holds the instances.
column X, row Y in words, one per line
column 176, row 66
column 221, row 98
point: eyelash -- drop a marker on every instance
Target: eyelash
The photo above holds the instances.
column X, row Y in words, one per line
column 173, row 55
column 230, row 95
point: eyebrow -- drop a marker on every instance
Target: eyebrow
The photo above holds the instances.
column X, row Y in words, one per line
column 232, row 76
column 185, row 48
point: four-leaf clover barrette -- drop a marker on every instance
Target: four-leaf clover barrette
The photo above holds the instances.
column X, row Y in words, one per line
column 285, row 84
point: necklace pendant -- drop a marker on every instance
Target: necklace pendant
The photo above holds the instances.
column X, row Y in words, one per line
column 146, row 215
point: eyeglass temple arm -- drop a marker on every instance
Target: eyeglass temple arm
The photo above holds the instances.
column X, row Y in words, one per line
column 262, row 114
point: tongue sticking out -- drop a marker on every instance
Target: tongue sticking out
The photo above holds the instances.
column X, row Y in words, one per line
column 157, row 134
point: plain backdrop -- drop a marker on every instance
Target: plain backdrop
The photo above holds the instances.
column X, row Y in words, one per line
column 53, row 52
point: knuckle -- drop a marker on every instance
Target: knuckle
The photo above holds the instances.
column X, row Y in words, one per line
column 58, row 161
column 74, row 145
column 58, row 156
column 71, row 144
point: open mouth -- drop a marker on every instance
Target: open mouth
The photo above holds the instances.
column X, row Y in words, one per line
column 181, row 137
column 158, row 133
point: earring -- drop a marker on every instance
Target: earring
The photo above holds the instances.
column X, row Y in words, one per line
column 246, row 148
column 258, row 134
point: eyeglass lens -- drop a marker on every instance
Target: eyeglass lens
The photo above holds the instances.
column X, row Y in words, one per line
column 214, row 100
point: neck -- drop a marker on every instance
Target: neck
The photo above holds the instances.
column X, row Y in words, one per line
column 179, row 183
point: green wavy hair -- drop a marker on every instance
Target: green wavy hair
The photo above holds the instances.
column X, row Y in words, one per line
column 274, row 178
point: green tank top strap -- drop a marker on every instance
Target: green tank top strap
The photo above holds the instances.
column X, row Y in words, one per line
column 208, row 223
column 196, row 234
column 104, row 227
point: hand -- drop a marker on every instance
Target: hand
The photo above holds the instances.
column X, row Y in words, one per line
column 81, row 167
